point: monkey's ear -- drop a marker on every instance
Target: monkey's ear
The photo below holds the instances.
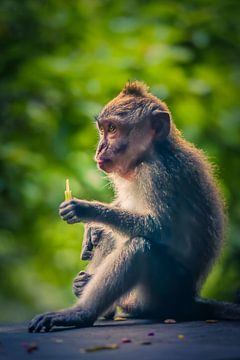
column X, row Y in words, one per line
column 161, row 123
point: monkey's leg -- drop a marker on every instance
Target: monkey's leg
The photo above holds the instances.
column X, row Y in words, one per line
column 80, row 282
column 120, row 271
column 165, row 291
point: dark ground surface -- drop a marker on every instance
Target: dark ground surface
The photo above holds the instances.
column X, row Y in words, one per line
column 220, row 341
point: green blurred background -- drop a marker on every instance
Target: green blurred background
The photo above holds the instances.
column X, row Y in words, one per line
column 60, row 62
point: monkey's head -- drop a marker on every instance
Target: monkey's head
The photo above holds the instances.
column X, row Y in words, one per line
column 129, row 127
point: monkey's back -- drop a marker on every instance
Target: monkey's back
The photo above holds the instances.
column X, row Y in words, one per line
column 190, row 207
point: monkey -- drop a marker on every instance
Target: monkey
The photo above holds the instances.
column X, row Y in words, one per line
column 152, row 248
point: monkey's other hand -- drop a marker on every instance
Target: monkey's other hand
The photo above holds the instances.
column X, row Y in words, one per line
column 75, row 210
column 46, row 321
column 91, row 239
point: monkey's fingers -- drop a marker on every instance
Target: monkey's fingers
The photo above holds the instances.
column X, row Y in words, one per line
column 39, row 321
column 64, row 204
column 73, row 201
column 96, row 234
column 62, row 318
column 79, row 282
column 66, row 210
column 87, row 241
column 92, row 237
column 45, row 324
column 86, row 254
column 73, row 220
column 82, row 276
column 70, row 217
column 46, row 321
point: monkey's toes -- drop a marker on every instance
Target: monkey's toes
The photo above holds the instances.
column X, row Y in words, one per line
column 82, row 276
column 79, row 282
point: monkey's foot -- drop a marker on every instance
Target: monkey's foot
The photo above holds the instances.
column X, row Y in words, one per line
column 46, row 321
column 79, row 282
column 92, row 238
column 96, row 235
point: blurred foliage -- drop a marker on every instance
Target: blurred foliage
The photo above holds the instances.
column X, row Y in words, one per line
column 60, row 62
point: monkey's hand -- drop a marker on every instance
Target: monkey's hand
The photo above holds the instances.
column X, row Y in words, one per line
column 75, row 210
column 92, row 237
column 69, row 317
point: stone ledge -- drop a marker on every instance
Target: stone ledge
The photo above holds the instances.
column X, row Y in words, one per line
column 180, row 341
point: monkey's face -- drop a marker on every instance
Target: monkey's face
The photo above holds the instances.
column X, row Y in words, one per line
column 122, row 144
column 128, row 127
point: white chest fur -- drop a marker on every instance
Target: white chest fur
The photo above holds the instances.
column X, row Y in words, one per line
column 130, row 195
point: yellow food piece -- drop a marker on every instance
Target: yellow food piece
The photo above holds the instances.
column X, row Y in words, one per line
column 211, row 321
column 68, row 193
column 101, row 347
column 120, row 318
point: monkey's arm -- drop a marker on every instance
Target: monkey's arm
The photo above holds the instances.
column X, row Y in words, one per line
column 93, row 235
column 124, row 221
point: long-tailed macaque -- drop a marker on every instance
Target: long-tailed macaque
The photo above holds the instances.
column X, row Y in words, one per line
column 154, row 245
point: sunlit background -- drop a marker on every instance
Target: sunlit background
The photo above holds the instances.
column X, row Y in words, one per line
column 60, row 62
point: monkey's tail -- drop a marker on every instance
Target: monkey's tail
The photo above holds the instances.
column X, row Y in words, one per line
column 220, row 310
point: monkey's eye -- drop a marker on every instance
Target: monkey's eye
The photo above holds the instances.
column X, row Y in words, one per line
column 112, row 128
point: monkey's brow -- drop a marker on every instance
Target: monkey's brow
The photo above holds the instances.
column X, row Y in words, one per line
column 101, row 120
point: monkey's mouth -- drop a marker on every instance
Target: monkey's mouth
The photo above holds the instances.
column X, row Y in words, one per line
column 105, row 164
